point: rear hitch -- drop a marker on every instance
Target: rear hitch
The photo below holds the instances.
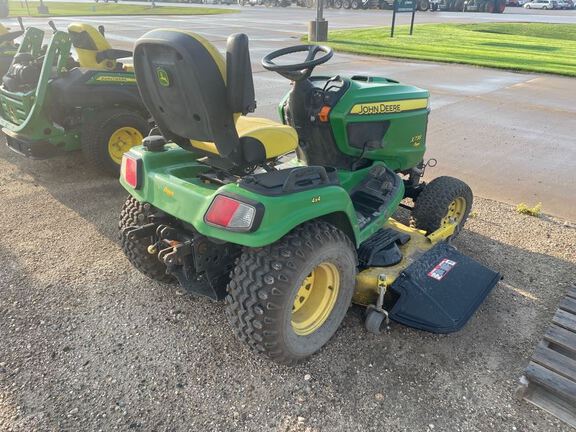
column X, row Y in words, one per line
column 136, row 233
column 201, row 266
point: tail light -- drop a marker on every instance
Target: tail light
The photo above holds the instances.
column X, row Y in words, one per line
column 232, row 214
column 130, row 171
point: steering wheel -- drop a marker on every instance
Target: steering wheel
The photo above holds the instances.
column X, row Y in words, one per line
column 298, row 71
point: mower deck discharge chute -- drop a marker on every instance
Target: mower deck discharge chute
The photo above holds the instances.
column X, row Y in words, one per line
column 290, row 244
column 51, row 102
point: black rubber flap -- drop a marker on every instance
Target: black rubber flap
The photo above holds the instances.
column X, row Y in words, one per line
column 441, row 290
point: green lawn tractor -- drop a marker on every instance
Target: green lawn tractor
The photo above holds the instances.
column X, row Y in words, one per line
column 51, row 102
column 8, row 46
column 290, row 243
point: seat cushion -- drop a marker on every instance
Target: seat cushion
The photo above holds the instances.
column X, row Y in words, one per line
column 276, row 138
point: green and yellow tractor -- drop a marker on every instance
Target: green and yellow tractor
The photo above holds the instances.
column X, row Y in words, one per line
column 290, row 243
column 52, row 102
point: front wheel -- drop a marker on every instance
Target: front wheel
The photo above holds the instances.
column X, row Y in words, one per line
column 444, row 200
column 287, row 300
column 346, row 4
column 355, row 4
column 107, row 135
column 337, row 4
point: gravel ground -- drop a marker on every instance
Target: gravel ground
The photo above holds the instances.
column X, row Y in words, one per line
column 87, row 343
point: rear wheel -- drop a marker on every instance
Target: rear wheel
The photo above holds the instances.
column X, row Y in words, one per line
column 444, row 200
column 355, row 4
column 337, row 4
column 135, row 213
column 107, row 135
column 287, row 300
column 346, row 4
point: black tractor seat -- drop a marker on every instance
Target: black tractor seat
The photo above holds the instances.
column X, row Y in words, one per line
column 200, row 100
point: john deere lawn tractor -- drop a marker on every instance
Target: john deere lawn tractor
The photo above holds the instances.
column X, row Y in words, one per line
column 51, row 102
column 290, row 243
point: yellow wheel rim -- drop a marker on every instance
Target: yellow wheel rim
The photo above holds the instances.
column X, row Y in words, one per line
column 122, row 140
column 315, row 299
column 456, row 211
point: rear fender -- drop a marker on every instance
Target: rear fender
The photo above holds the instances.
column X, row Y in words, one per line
column 170, row 184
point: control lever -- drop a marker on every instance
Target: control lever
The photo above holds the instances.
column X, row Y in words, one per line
column 52, row 26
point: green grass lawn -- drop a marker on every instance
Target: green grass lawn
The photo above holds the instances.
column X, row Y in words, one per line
column 533, row 47
column 18, row 8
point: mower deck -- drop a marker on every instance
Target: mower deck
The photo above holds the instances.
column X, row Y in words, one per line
column 427, row 283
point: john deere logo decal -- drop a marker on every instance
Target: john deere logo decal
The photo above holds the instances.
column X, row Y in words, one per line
column 389, row 107
column 163, row 77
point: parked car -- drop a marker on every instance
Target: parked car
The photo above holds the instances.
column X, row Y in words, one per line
column 541, row 4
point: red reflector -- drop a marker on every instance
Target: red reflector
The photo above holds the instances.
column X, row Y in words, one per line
column 222, row 210
column 130, row 171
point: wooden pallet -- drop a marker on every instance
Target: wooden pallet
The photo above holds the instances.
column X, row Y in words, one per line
column 549, row 381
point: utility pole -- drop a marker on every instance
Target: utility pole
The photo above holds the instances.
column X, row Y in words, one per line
column 42, row 8
column 318, row 29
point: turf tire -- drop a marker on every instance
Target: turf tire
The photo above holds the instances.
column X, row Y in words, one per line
column 97, row 131
column 432, row 204
column 136, row 213
column 264, row 284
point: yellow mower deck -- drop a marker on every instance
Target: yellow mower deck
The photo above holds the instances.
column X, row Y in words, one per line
column 368, row 281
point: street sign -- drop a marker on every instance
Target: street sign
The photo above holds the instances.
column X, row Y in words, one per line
column 405, row 5
column 401, row 6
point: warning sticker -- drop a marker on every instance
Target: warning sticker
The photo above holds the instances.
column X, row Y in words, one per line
column 441, row 269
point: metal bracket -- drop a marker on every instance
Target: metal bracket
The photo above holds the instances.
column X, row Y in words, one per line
column 382, row 287
column 376, row 313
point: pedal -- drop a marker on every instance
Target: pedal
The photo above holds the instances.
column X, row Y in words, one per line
column 381, row 249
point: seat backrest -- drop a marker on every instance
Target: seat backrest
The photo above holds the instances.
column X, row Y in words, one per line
column 88, row 42
column 239, row 81
column 183, row 82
